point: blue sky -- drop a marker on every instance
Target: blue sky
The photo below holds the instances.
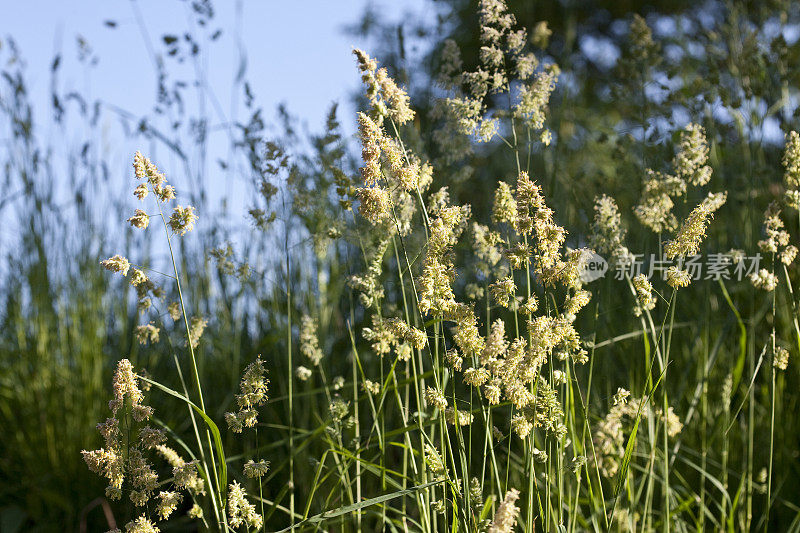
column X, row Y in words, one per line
column 298, row 53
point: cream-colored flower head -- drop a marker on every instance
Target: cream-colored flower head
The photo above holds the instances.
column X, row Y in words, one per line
column 434, row 461
column 116, row 263
column 371, row 387
column 677, row 278
column 255, row 469
column 505, row 518
column 139, row 220
column 460, row 418
column 147, row 333
column 143, row 169
column 182, row 220
column 644, row 294
column 253, row 387
column 309, row 342
column 240, row 511
column 503, row 291
column 141, row 191
column 375, row 204
column 655, row 209
column 186, row 476
column 690, row 161
column 780, row 358
column 303, row 373
column 141, row 525
column 791, row 161
column 690, row 235
column 401, row 330
column 764, row 279
column 167, row 503
column 125, row 385
column 608, row 234
column 197, row 326
column 386, row 98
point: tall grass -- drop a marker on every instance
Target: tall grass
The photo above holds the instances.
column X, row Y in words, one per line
column 433, row 365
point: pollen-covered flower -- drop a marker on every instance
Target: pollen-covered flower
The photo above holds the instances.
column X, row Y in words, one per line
column 476, row 377
column 138, row 277
column 143, row 478
column 690, row 161
column 386, row 98
column 534, row 97
column 608, row 235
column 303, row 373
column 140, row 164
column 380, row 335
column 792, row 199
column 780, row 359
column 375, row 204
column 575, row 303
column 677, row 278
column 687, row 241
column 466, row 336
column 167, row 503
column 655, row 209
column 182, row 220
column 791, row 161
column 371, row 387
column 197, row 326
column 150, row 437
column 610, row 434
column 174, row 310
column 240, row 511
column 371, row 135
column 505, row 518
column 254, row 387
column 504, row 209
column 541, row 34
column 145, row 169
column 165, row 193
column 788, row 254
column 521, row 426
column 401, row 330
column 147, row 333
column 140, row 219
column 530, row 306
column 777, row 236
column 116, row 264
column 170, row 455
column 621, row 396
column 125, row 385
column 486, row 247
column 141, row 191
column 644, row 294
column 309, row 342
column 457, row 418
column 185, row 476
column 254, row 469
column 502, row 291
column 434, row 461
column 764, row 279
column 141, row 525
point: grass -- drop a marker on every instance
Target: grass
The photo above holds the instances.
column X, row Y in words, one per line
column 425, row 373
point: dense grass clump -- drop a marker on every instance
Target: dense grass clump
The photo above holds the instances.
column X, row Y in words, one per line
column 504, row 314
